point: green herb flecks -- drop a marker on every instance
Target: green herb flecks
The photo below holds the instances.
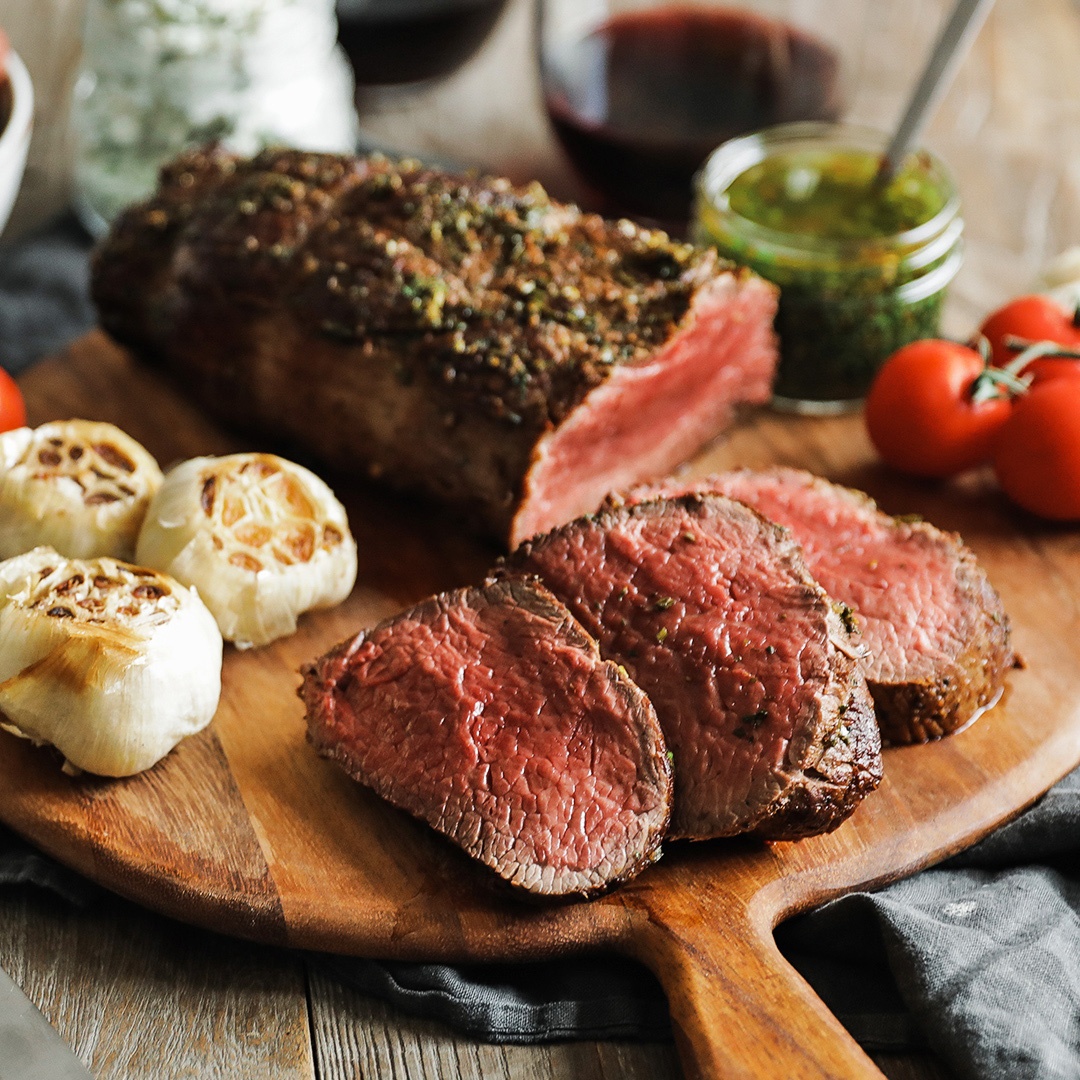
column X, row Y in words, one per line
column 833, row 194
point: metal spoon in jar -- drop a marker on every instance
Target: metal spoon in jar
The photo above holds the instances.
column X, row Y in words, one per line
column 954, row 41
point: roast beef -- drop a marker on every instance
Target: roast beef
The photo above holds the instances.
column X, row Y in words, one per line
column 750, row 665
column 463, row 337
column 488, row 714
column 936, row 630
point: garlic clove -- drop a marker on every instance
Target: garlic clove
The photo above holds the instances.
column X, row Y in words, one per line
column 111, row 663
column 261, row 538
column 79, row 486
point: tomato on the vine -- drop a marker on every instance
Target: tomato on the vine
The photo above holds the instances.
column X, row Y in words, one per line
column 1037, row 455
column 1049, row 368
column 1030, row 319
column 12, row 408
column 926, row 413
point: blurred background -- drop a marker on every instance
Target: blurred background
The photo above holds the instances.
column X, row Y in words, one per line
column 1008, row 125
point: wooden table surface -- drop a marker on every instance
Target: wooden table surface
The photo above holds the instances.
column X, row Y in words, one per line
column 139, row 996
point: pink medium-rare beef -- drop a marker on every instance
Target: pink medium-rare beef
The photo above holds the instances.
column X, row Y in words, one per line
column 751, row 669
column 646, row 419
column 937, row 634
column 457, row 336
column 489, row 714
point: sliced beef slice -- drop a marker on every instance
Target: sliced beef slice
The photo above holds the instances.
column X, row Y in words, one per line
column 749, row 664
column 489, row 714
column 458, row 336
column 936, row 630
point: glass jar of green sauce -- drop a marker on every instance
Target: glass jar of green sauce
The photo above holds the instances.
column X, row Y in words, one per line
column 862, row 266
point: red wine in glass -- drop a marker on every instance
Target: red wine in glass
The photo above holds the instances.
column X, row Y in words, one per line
column 390, row 42
column 641, row 100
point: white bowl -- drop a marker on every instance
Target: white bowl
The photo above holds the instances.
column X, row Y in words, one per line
column 15, row 138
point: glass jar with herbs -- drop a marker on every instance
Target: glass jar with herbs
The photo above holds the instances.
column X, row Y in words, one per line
column 862, row 264
column 161, row 75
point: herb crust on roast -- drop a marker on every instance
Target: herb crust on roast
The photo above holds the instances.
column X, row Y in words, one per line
column 456, row 335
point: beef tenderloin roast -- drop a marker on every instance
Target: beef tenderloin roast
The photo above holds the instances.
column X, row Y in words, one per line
column 458, row 336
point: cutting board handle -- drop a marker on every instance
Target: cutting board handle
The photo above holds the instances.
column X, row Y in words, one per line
column 739, row 1010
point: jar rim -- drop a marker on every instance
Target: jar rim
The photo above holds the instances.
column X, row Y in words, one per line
column 732, row 158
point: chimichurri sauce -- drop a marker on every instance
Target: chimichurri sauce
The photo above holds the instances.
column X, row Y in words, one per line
column 856, row 282
column 833, row 194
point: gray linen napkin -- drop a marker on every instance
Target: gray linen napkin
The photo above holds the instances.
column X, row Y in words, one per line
column 44, row 301
column 979, row 958
column 984, row 949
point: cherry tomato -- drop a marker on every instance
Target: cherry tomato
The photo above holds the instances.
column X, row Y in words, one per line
column 12, row 408
column 920, row 413
column 1037, row 456
column 1034, row 318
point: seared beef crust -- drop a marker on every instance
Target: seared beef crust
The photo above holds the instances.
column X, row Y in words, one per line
column 431, row 330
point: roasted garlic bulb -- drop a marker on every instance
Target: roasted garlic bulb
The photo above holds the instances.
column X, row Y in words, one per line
column 261, row 538
column 111, row 663
column 79, row 486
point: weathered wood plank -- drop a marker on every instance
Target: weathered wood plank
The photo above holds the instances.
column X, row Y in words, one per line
column 356, row 1036
column 139, row 997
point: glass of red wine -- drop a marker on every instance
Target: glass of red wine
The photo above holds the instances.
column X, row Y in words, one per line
column 639, row 93
column 401, row 50
column 397, row 42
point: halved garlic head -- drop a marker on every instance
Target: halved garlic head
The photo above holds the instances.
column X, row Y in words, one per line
column 261, row 538
column 112, row 664
column 79, row 486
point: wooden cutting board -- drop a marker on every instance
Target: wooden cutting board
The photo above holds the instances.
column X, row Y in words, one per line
column 243, row 829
